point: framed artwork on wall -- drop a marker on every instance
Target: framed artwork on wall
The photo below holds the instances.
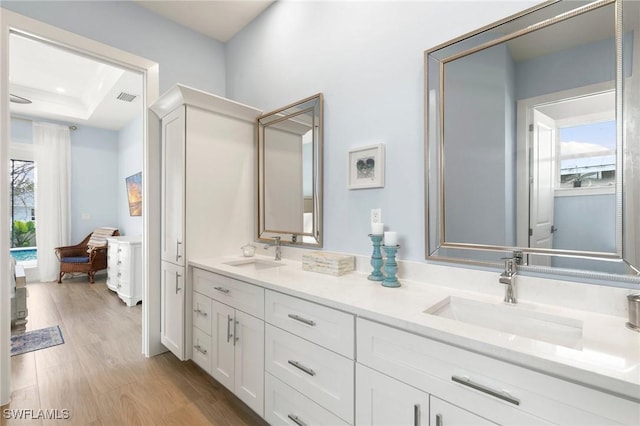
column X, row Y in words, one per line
column 134, row 194
column 366, row 167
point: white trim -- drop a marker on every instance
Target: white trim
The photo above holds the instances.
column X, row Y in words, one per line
column 573, row 192
column 13, row 22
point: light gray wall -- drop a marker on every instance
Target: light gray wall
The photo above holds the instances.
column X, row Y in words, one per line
column 478, row 154
column 185, row 56
column 367, row 59
column 129, row 163
column 94, row 176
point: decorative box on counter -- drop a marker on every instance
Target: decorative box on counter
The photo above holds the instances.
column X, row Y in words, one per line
column 328, row 263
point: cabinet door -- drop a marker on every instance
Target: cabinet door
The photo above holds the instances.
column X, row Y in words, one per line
column 172, row 308
column 249, row 360
column 173, row 189
column 222, row 349
column 445, row 414
column 381, row 400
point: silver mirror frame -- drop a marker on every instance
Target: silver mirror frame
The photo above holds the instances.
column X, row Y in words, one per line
column 313, row 239
column 434, row 142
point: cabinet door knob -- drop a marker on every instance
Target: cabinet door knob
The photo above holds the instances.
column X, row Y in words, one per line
column 416, row 415
column 439, row 420
column 178, row 255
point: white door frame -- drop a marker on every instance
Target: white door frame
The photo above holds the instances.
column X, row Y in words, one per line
column 523, row 153
column 11, row 22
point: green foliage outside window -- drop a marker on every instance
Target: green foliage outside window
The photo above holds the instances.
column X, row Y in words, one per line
column 23, row 234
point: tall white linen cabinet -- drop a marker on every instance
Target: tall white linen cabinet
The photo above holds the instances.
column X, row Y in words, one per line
column 207, row 198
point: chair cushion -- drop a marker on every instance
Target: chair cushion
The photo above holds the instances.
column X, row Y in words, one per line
column 78, row 259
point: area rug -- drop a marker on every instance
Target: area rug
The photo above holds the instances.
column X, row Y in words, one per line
column 36, row 340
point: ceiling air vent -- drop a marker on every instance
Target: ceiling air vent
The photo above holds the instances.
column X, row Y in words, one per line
column 126, row 97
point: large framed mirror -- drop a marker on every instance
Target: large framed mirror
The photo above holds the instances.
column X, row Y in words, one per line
column 289, row 173
column 529, row 143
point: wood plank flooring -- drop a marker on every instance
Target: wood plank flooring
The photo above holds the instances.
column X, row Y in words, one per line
column 99, row 373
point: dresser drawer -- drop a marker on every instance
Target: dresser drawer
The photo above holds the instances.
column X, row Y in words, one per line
column 324, row 376
column 202, row 312
column 238, row 294
column 283, row 405
column 325, row 326
column 124, row 250
column 467, row 379
column 202, row 349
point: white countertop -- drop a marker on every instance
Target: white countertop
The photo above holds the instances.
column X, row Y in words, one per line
column 609, row 358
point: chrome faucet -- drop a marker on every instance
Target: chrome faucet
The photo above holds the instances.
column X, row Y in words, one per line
column 278, row 246
column 508, row 277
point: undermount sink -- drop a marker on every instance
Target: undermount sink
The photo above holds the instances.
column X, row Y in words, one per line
column 512, row 319
column 255, row 264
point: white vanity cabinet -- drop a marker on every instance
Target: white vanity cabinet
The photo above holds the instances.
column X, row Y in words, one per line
column 309, row 362
column 125, row 268
column 205, row 141
column 381, row 400
column 172, row 302
column 470, row 384
column 228, row 342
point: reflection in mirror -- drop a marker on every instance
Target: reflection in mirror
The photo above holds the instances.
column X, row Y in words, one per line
column 290, row 173
column 524, row 147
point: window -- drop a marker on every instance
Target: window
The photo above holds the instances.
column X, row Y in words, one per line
column 23, row 225
column 588, row 155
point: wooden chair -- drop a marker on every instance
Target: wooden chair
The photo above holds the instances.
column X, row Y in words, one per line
column 87, row 257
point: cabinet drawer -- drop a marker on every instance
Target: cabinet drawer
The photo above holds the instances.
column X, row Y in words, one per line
column 202, row 312
column 324, row 376
column 238, row 294
column 202, row 349
column 453, row 374
column 325, row 326
column 283, row 405
column 124, row 252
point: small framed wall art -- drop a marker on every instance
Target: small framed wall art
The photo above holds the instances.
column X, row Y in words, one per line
column 366, row 167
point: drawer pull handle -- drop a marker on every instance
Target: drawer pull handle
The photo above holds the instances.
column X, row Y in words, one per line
column 416, row 415
column 178, row 282
column 199, row 349
column 178, row 255
column 302, row 320
column 235, row 333
column 498, row 394
column 222, row 289
column 296, row 420
column 299, row 366
column 439, row 420
column 229, row 319
column 199, row 312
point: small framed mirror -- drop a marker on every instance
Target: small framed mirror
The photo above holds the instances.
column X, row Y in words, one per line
column 289, row 171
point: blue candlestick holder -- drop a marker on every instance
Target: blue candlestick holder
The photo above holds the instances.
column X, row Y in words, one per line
column 391, row 267
column 376, row 258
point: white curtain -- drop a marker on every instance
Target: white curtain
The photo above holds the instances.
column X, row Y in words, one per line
column 52, row 145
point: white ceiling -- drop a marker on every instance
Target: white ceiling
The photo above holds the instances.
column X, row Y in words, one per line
column 219, row 19
column 68, row 87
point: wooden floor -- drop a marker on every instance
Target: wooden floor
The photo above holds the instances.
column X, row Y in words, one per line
column 99, row 374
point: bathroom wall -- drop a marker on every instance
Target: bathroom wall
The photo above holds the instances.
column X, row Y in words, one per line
column 367, row 59
column 479, row 168
column 129, row 163
column 185, row 56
